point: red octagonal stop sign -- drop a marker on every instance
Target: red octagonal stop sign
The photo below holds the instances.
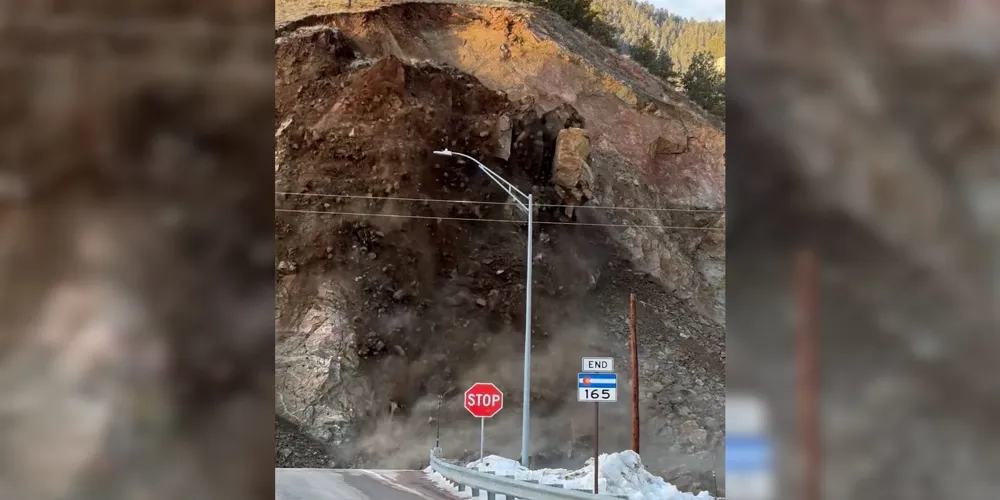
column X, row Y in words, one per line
column 483, row 400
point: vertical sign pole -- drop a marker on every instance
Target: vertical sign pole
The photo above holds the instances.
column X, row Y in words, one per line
column 805, row 277
column 597, row 407
column 482, row 437
column 634, row 347
column 437, row 418
column 526, row 412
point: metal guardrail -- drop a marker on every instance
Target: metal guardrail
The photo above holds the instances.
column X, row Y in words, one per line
column 507, row 486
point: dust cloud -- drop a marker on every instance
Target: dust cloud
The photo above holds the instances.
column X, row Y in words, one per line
column 562, row 428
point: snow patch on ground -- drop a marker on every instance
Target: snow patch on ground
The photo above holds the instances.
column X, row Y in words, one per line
column 620, row 474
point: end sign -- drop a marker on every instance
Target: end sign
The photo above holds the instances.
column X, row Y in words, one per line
column 603, row 365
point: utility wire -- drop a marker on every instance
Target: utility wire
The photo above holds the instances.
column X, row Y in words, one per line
column 471, row 202
column 473, row 219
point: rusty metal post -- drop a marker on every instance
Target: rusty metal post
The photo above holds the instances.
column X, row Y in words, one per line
column 806, row 275
column 634, row 348
column 597, row 434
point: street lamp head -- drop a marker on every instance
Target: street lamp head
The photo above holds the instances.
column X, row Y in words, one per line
column 443, row 152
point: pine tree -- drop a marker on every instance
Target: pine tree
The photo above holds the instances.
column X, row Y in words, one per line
column 704, row 85
column 662, row 42
column 659, row 64
column 583, row 15
column 663, row 67
column 678, row 37
column 644, row 52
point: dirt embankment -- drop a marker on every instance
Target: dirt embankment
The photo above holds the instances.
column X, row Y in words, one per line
column 380, row 313
column 652, row 147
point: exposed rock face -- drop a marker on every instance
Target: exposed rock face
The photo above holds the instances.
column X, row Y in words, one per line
column 315, row 383
column 571, row 174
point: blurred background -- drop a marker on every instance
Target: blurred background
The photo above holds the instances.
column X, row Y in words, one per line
column 136, row 250
column 864, row 216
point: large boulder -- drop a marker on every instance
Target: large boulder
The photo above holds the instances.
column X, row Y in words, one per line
column 316, row 386
column 571, row 173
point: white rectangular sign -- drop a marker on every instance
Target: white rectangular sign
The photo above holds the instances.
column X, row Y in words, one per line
column 598, row 365
column 749, row 448
column 597, row 387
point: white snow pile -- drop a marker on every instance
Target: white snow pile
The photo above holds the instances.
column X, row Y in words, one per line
column 620, row 474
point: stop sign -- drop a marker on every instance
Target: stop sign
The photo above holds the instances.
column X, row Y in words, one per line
column 483, row 400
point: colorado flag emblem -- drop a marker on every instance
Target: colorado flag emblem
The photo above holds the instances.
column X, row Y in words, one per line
column 597, row 381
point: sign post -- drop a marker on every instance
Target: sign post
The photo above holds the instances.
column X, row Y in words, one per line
column 633, row 346
column 483, row 400
column 437, row 422
column 597, row 384
column 597, row 446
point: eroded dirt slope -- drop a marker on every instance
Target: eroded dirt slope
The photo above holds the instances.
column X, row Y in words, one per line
column 651, row 147
column 379, row 314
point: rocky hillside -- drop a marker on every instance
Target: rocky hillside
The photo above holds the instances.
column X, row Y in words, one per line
column 394, row 289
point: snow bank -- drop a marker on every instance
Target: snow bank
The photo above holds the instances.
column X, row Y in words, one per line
column 620, row 474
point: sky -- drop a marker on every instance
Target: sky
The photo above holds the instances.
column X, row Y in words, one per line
column 702, row 10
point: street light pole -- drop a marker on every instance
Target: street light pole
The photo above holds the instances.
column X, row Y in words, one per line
column 525, row 421
column 525, row 202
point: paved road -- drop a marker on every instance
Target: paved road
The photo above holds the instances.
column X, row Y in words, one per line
column 355, row 484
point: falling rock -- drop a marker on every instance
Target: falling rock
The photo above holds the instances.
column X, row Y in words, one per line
column 571, row 174
column 560, row 118
column 503, row 133
column 692, row 433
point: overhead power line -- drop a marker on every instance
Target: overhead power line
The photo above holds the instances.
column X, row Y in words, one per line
column 473, row 219
column 472, row 202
